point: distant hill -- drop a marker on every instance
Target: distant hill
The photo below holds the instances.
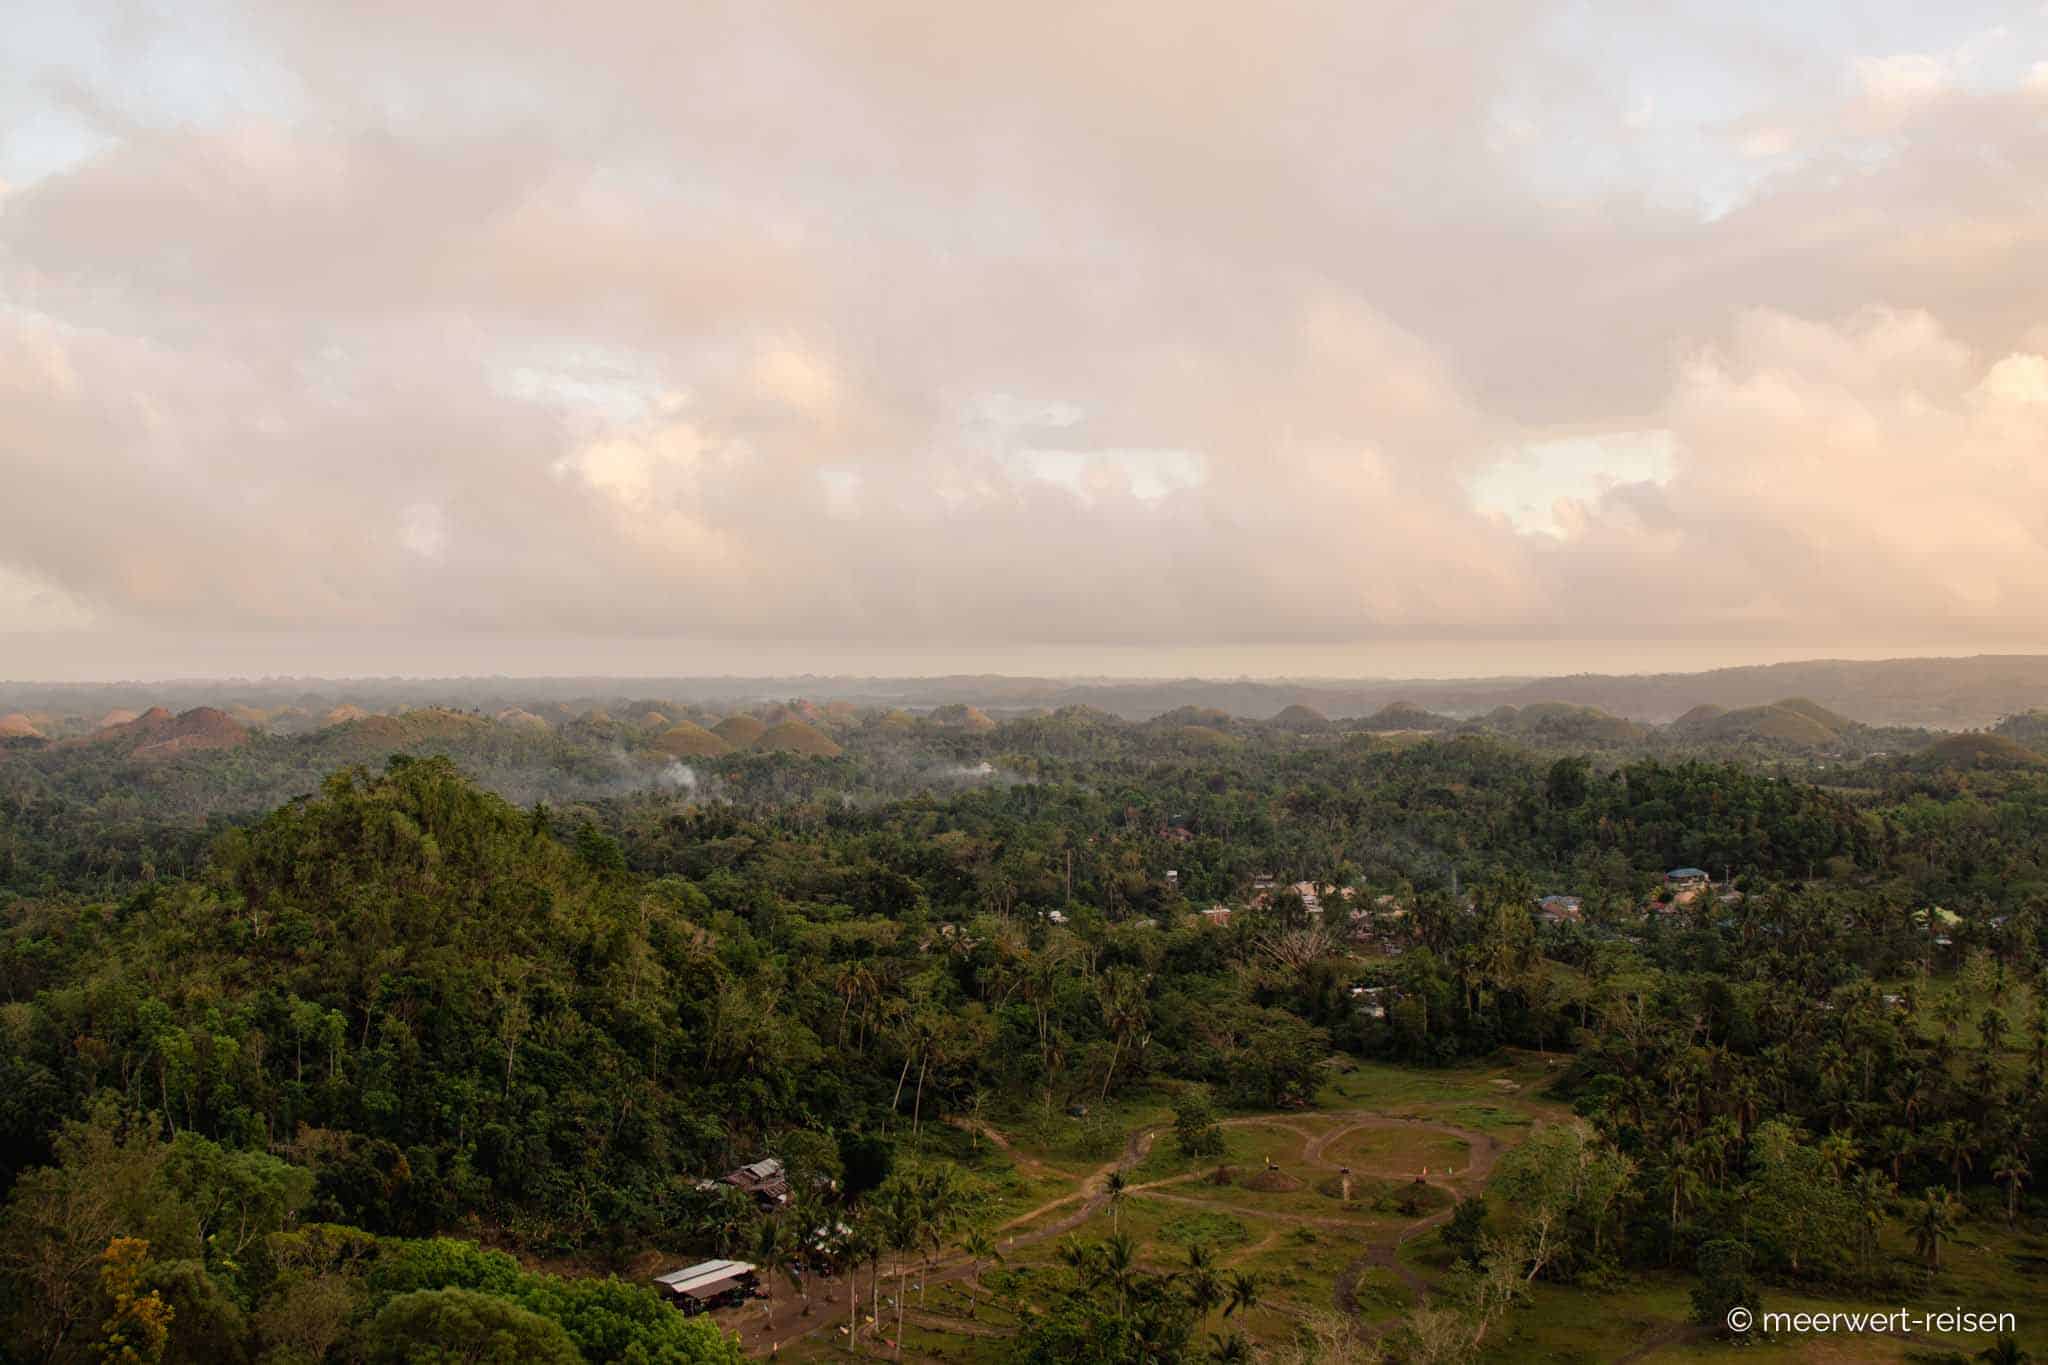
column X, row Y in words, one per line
column 156, row 733
column 1301, row 719
column 1795, row 722
column 739, row 731
column 962, row 717
column 1207, row 737
column 1698, row 718
column 1949, row 693
column 1564, row 722
column 686, row 739
column 1976, row 750
column 2028, row 727
column 1181, row 716
column 796, row 737
column 18, row 726
column 1406, row 715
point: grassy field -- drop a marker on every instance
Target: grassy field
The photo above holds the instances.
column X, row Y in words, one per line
column 1282, row 1217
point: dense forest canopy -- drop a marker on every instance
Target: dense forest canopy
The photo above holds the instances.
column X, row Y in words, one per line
column 271, row 1076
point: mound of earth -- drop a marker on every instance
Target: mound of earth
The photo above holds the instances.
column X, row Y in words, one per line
column 1566, row 722
column 739, row 731
column 1208, row 737
column 797, row 737
column 1978, row 752
column 839, row 713
column 1818, row 714
column 1773, row 724
column 1305, row 720
column 118, row 716
column 15, row 725
column 654, row 720
column 156, row 733
column 596, row 715
column 961, row 717
column 1270, row 1181
column 249, row 716
column 1697, row 719
column 896, row 720
column 513, row 715
column 1405, row 715
column 1190, row 715
column 686, row 739
column 420, row 723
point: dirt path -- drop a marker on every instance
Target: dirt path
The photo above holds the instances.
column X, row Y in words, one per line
column 828, row 1295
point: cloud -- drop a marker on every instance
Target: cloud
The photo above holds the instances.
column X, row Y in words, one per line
column 1093, row 325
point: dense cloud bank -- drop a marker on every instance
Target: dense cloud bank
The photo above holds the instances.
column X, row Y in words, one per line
column 1075, row 324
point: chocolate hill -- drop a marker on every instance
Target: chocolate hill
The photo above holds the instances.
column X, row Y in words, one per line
column 156, row 733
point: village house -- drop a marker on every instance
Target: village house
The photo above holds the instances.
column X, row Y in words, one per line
column 1217, row 914
column 764, row 1179
column 1371, row 1001
column 707, row 1285
column 1555, row 910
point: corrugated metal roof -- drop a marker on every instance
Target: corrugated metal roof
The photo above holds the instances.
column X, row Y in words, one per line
column 690, row 1277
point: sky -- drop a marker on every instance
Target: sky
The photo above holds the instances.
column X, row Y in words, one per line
column 1139, row 337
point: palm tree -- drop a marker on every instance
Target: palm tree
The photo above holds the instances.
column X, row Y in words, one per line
column 1894, row 1145
column 1228, row 1348
column 1991, row 1028
column 980, row 1248
column 1838, row 1150
column 1873, row 1194
column 1244, row 1293
column 903, row 1231
column 1205, row 1289
column 2006, row 1350
column 1114, row 1189
column 2011, row 1171
column 1116, row 1264
column 1934, row 1222
column 859, row 1244
column 773, row 1254
column 1958, row 1148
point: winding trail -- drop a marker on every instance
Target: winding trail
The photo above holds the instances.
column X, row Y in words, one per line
column 1090, row 1196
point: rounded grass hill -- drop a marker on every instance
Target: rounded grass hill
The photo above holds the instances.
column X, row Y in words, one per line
column 796, row 737
column 1405, row 715
column 1208, row 737
column 740, row 731
column 1979, row 752
column 17, row 726
column 686, row 739
column 959, row 716
column 1305, row 720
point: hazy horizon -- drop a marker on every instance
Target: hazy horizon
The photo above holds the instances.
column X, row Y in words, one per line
column 558, row 661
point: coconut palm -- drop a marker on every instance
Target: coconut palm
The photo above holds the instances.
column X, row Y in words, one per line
column 2006, row 1350
column 1205, row 1287
column 1934, row 1222
column 2011, row 1170
column 774, row 1254
column 1229, row 1348
column 981, row 1249
column 1114, row 1188
column 1244, row 1293
column 1957, row 1147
